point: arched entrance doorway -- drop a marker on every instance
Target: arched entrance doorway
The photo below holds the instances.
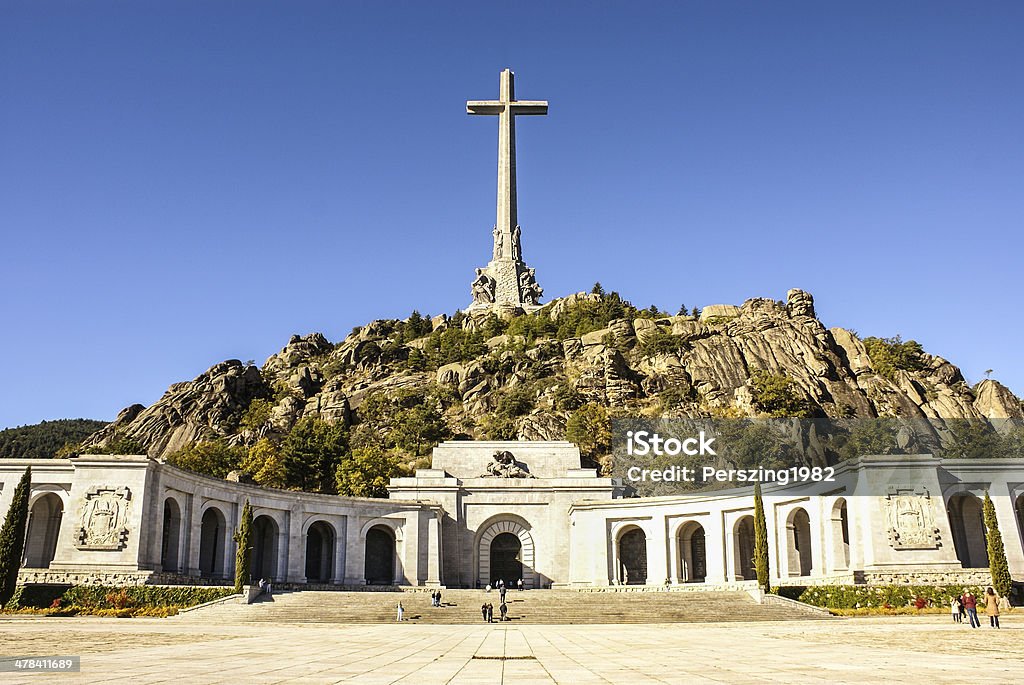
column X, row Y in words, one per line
column 840, row 536
column 633, row 557
column 211, row 544
column 743, row 533
column 798, row 529
column 43, row 527
column 693, row 562
column 967, row 523
column 379, row 565
column 319, row 553
column 506, row 559
column 497, row 545
column 264, row 548
column 171, row 536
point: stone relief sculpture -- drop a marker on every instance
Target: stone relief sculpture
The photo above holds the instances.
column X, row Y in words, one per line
column 504, row 465
column 104, row 523
column 482, row 288
column 911, row 519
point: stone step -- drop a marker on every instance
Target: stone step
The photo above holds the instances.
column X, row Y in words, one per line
column 534, row 606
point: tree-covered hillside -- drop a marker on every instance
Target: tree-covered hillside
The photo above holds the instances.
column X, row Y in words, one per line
column 44, row 440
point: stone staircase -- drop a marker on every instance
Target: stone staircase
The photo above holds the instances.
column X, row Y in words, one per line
column 528, row 607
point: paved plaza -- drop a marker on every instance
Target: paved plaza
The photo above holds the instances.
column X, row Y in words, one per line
column 913, row 649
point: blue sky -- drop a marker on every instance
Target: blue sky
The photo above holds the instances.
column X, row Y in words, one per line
column 186, row 182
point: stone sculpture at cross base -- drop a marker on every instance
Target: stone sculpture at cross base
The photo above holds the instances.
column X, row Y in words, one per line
column 506, row 283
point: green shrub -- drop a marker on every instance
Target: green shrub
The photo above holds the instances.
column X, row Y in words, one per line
column 660, row 342
column 885, row 596
column 888, row 355
column 776, row 396
column 140, row 596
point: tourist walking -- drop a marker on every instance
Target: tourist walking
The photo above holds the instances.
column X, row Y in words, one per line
column 971, row 604
column 504, row 610
column 501, row 593
column 992, row 607
column 269, row 589
column 401, row 612
column 490, row 613
column 438, row 598
column 483, row 611
column 519, row 584
column 956, row 608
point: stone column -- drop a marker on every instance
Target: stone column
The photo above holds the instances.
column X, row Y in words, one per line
column 340, row 551
column 714, row 549
column 657, row 551
column 355, row 555
column 195, row 535
column 434, row 560
column 229, row 541
column 294, row 544
column 675, row 574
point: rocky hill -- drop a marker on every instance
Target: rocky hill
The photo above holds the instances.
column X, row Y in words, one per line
column 526, row 376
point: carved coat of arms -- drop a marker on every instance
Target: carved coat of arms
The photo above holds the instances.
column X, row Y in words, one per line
column 910, row 515
column 104, row 524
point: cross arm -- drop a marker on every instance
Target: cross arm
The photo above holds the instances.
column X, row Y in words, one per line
column 530, row 107
column 484, row 107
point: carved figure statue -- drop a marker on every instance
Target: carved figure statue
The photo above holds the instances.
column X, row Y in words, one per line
column 529, row 288
column 503, row 465
column 517, row 246
column 482, row 288
column 498, row 243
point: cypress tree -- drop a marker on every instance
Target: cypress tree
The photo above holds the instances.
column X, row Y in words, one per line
column 761, row 542
column 243, row 549
column 12, row 538
column 997, row 565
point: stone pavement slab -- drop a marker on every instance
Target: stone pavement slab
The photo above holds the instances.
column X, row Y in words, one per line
column 148, row 651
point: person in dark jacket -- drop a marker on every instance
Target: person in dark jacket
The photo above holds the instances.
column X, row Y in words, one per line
column 971, row 604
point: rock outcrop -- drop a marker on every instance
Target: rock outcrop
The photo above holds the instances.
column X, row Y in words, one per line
column 681, row 364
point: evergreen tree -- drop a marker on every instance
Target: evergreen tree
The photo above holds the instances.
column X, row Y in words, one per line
column 998, row 567
column 311, row 453
column 12, row 537
column 243, row 548
column 761, row 542
column 683, row 311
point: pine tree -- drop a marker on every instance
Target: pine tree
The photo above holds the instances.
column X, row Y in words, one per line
column 998, row 567
column 12, row 538
column 761, row 542
column 243, row 548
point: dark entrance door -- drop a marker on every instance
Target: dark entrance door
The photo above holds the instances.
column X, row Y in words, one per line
column 380, row 557
column 633, row 557
column 506, row 559
column 699, row 554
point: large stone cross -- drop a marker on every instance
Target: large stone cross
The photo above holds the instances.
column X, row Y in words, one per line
column 509, row 274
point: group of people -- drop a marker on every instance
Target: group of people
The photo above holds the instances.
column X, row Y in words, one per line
column 500, row 586
column 967, row 604
column 265, row 586
column 487, row 611
column 435, row 598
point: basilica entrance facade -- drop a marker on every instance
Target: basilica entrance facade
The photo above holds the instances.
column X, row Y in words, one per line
column 506, row 553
